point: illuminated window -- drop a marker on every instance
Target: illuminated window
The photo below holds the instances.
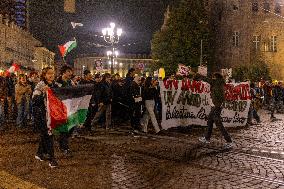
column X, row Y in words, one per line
column 266, row 7
column 273, row 44
column 277, row 9
column 256, row 42
column 236, row 37
column 255, row 6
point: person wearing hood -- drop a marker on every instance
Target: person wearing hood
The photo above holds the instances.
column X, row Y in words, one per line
column 218, row 97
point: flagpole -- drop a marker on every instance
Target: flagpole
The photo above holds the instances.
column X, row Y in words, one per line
column 63, row 58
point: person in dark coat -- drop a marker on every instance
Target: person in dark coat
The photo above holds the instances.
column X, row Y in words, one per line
column 104, row 101
column 87, row 79
column 93, row 105
column 218, row 97
column 136, row 103
column 46, row 147
column 64, row 80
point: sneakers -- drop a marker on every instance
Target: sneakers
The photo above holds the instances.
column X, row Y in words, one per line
column 67, row 153
column 39, row 157
column 204, row 140
column 53, row 164
column 229, row 145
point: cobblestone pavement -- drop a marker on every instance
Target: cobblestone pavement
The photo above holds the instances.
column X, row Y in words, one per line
column 177, row 160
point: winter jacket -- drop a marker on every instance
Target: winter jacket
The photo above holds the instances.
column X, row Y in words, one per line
column 150, row 93
column 136, row 93
column 63, row 83
column 217, row 91
column 22, row 91
column 105, row 93
column 39, row 104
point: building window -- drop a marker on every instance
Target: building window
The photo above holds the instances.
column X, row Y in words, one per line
column 236, row 37
column 255, row 7
column 277, row 8
column 256, row 42
column 273, row 44
column 266, row 7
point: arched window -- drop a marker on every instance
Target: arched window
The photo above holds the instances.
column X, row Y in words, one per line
column 266, row 7
column 255, row 6
column 277, row 9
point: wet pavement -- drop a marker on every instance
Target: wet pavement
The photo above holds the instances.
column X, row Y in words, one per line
column 175, row 159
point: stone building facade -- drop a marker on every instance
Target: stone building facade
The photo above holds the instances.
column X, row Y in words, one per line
column 247, row 29
column 122, row 64
column 19, row 46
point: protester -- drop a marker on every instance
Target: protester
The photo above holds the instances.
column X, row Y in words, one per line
column 136, row 103
column 64, row 79
column 93, row 105
column 218, row 97
column 88, row 78
column 149, row 95
column 253, row 109
column 104, row 101
column 119, row 106
column 11, row 109
column 46, row 147
column 23, row 93
column 3, row 95
column 33, row 80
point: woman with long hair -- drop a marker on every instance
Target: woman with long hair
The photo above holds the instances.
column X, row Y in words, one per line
column 149, row 95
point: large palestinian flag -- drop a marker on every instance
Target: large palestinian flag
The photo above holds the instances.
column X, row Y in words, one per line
column 67, row 107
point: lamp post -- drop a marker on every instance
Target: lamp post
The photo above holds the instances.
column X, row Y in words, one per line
column 112, row 36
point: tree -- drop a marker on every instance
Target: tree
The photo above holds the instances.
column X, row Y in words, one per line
column 180, row 41
column 256, row 70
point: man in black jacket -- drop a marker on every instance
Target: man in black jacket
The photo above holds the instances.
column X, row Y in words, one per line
column 104, row 101
column 218, row 97
column 93, row 105
column 136, row 103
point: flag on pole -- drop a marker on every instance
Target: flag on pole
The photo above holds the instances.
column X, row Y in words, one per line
column 67, row 107
column 14, row 68
column 67, row 47
column 74, row 24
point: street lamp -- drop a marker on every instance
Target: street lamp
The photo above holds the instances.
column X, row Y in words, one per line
column 112, row 36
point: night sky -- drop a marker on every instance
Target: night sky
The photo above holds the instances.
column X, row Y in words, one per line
column 139, row 19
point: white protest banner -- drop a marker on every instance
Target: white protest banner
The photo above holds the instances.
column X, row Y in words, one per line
column 202, row 70
column 188, row 102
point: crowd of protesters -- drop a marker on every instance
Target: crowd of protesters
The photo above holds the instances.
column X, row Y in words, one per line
column 114, row 100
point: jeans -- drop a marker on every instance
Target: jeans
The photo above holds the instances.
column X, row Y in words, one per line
column 149, row 113
column 104, row 109
column 90, row 116
column 253, row 114
column 23, row 111
column 215, row 117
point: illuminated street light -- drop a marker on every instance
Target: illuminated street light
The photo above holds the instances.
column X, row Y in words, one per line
column 111, row 36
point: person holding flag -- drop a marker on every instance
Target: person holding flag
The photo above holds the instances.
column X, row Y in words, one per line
column 39, row 98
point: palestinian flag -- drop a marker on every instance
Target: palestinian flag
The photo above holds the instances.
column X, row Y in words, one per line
column 67, row 47
column 14, row 68
column 67, row 107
